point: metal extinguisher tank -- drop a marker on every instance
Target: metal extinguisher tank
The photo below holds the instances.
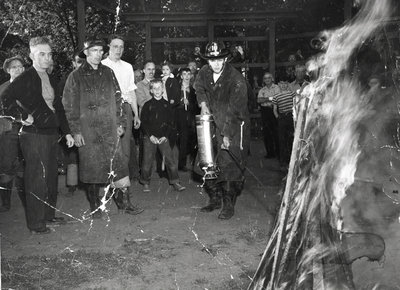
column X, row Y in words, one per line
column 204, row 128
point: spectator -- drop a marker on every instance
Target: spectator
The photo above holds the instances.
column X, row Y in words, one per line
column 158, row 126
column 283, row 111
column 124, row 73
column 11, row 167
column 138, row 75
column 186, row 111
column 196, row 57
column 94, row 110
column 171, row 84
column 192, row 65
column 172, row 95
column 143, row 87
column 31, row 99
column 269, row 122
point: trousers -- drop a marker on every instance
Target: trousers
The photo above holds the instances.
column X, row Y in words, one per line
column 40, row 177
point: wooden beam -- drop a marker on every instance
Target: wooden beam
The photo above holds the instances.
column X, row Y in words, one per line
column 80, row 7
column 298, row 35
column 203, row 23
column 148, row 41
column 271, row 45
column 244, row 38
column 240, row 23
column 178, row 23
column 179, row 39
column 201, row 16
column 204, row 39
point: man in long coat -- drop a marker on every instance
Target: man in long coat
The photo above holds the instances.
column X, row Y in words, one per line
column 222, row 91
column 93, row 105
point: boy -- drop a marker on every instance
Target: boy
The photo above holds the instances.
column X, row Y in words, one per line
column 158, row 126
column 283, row 111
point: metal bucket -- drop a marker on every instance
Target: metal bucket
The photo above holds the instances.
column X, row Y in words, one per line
column 205, row 146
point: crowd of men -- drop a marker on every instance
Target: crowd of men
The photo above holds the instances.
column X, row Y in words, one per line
column 277, row 105
column 93, row 111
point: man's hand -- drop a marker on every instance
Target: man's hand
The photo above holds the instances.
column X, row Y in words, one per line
column 120, row 131
column 154, row 140
column 204, row 109
column 70, row 140
column 28, row 121
column 79, row 141
column 162, row 140
column 136, row 122
column 225, row 143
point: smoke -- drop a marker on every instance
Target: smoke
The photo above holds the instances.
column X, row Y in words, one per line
column 334, row 113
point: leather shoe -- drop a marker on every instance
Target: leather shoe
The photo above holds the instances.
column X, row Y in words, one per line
column 146, row 188
column 42, row 231
column 134, row 210
column 178, row 187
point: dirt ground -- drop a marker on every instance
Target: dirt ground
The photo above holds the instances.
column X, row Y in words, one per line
column 171, row 245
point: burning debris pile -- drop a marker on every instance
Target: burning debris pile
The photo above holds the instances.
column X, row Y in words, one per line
column 308, row 248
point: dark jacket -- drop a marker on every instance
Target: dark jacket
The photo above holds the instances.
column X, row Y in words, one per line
column 172, row 88
column 24, row 96
column 227, row 98
column 93, row 106
column 193, row 107
column 158, row 119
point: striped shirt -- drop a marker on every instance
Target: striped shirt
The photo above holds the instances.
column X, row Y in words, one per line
column 284, row 101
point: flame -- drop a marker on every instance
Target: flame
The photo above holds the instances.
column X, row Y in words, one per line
column 324, row 159
column 342, row 108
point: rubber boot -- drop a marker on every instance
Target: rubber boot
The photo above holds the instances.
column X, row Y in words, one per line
column 228, row 208
column 123, row 202
column 5, row 193
column 92, row 195
column 214, row 193
column 228, row 200
column 237, row 187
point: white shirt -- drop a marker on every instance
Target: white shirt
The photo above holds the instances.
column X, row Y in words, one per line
column 266, row 94
column 124, row 73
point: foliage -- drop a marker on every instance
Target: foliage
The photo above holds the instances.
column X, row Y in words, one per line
column 23, row 19
column 57, row 19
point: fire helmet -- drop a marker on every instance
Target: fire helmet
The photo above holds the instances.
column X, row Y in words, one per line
column 215, row 50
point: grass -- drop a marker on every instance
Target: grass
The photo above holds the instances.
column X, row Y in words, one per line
column 66, row 270
column 251, row 233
